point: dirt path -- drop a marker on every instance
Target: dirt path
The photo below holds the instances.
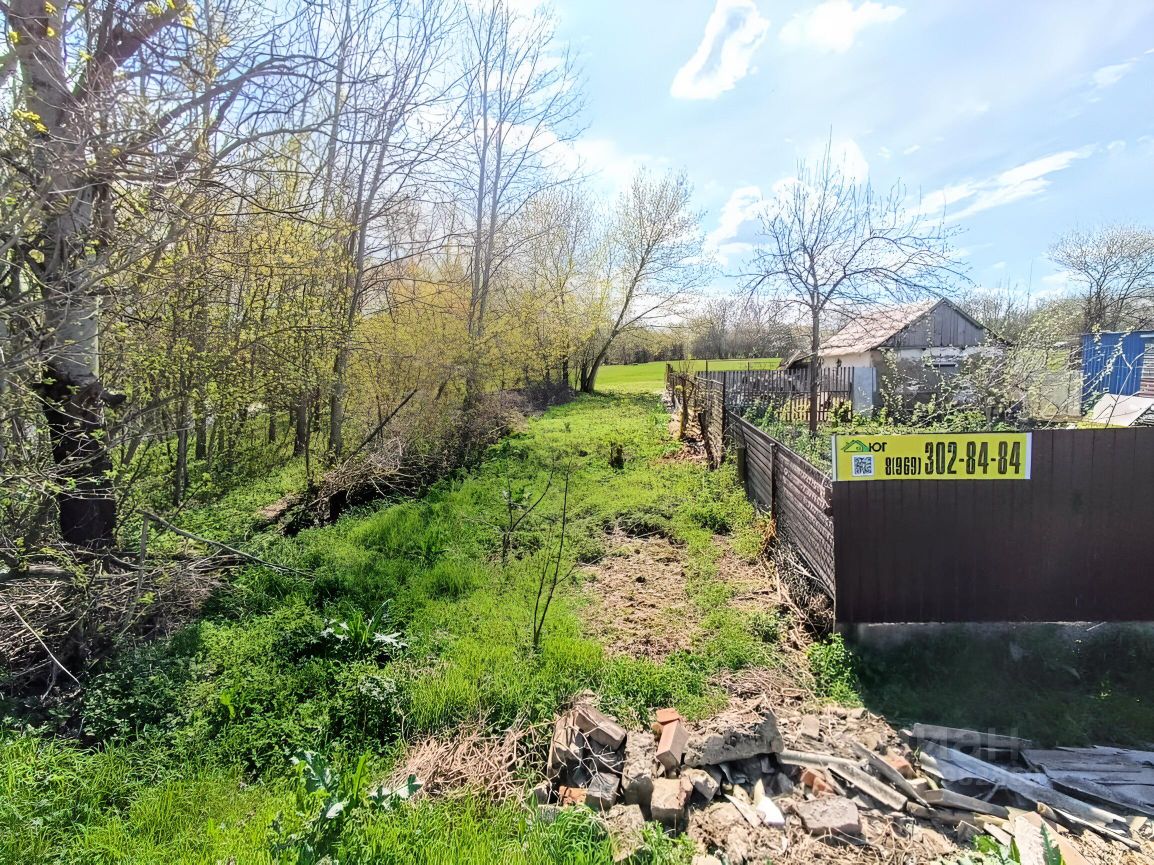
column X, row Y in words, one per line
column 639, row 604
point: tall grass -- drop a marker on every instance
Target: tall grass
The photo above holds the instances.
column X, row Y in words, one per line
column 193, row 734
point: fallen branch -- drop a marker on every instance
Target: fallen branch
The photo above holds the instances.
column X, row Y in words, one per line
column 43, row 645
column 247, row 556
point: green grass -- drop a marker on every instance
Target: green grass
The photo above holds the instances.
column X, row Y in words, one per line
column 1095, row 690
column 650, row 377
column 189, row 739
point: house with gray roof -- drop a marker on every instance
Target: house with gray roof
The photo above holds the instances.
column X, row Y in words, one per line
column 929, row 334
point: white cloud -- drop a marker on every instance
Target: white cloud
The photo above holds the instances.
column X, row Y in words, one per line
column 834, row 25
column 885, row 152
column 1116, row 146
column 1059, row 279
column 1108, row 76
column 608, row 167
column 733, row 33
column 1014, row 184
column 744, row 205
column 912, row 149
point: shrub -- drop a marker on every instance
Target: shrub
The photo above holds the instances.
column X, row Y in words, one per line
column 833, row 670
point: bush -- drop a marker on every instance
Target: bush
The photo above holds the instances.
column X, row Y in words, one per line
column 833, row 670
column 141, row 690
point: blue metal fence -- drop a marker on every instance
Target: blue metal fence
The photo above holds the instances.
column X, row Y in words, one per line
column 1112, row 363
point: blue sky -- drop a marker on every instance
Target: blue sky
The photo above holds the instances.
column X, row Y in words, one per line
column 1022, row 117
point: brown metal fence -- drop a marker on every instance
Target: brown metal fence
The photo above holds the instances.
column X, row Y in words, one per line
column 797, row 494
column 1075, row 542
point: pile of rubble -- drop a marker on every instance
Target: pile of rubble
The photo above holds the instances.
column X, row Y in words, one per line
column 732, row 784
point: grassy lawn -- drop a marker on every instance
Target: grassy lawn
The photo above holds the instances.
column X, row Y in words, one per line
column 650, row 377
column 188, row 740
column 1038, row 683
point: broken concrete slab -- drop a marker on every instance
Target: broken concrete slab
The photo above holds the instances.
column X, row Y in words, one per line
column 598, row 726
column 671, row 748
column 832, row 815
column 601, row 794
column 637, row 771
column 670, row 802
column 704, row 784
column 810, row 727
column 625, row 825
column 605, row 758
column 736, row 734
column 564, row 749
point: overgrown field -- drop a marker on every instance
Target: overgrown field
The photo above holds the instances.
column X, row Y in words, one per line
column 407, row 624
column 650, row 377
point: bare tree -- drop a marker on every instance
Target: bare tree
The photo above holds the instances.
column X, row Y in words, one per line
column 1113, row 266
column 653, row 263
column 714, row 325
column 762, row 327
column 829, row 243
column 1005, row 309
column 520, row 102
column 388, row 126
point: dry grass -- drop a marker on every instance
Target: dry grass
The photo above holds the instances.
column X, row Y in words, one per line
column 78, row 610
column 469, row 759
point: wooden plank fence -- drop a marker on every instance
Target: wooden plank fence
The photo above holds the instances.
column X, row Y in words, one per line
column 785, row 392
column 1072, row 543
column 699, row 405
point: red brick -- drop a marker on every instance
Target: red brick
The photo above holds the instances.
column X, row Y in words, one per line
column 901, row 764
column 816, row 781
column 571, row 795
column 671, row 748
column 667, row 716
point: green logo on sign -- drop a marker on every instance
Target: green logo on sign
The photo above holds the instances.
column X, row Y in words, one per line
column 857, row 446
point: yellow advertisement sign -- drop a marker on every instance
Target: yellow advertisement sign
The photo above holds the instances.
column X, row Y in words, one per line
column 932, row 457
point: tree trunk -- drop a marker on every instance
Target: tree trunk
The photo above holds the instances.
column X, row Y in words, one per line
column 75, row 414
column 337, row 405
column 814, row 370
column 200, row 449
column 301, row 426
column 272, row 426
column 180, row 466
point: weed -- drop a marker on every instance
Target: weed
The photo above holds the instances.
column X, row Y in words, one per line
column 832, row 666
column 326, row 801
